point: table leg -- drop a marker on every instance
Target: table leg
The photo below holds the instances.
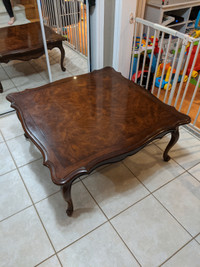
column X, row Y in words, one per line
column 174, row 139
column 26, row 136
column 66, row 190
column 1, row 88
column 62, row 50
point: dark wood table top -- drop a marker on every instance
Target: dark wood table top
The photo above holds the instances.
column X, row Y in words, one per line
column 26, row 37
column 82, row 122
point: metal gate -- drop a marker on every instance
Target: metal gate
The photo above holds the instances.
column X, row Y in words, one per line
column 167, row 63
column 69, row 18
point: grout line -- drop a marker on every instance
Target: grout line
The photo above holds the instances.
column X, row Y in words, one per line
column 13, row 137
column 34, row 205
column 7, row 171
column 36, row 202
column 191, row 131
column 32, row 161
column 172, row 215
column 176, row 252
column 185, row 170
column 7, row 113
column 75, row 241
column 196, row 239
column 108, row 220
column 151, row 193
column 94, row 200
column 169, row 182
column 175, row 159
column 129, row 207
column 15, row 213
column 124, row 243
column 193, row 176
column 44, row 260
column 193, row 238
column 10, row 78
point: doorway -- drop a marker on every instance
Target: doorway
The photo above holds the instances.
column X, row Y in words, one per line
column 66, row 18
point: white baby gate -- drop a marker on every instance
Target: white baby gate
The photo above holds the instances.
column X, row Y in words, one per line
column 167, row 63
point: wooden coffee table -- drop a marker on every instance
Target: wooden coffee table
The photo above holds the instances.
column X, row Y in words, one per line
column 24, row 42
column 83, row 122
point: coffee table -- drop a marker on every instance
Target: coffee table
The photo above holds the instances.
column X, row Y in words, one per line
column 24, row 42
column 83, row 122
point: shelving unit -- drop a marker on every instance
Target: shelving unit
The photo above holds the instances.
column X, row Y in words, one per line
column 155, row 12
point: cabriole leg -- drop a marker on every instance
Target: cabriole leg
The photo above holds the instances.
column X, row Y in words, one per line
column 66, row 191
column 174, row 139
column 62, row 50
column 26, row 136
column 1, row 88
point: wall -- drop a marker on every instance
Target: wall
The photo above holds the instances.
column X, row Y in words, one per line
column 97, row 35
column 111, row 34
column 123, row 35
column 109, row 18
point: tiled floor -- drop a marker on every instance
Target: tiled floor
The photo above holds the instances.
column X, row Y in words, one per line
column 139, row 212
column 17, row 75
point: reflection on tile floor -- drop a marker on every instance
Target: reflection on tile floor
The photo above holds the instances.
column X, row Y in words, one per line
column 17, row 75
column 126, row 214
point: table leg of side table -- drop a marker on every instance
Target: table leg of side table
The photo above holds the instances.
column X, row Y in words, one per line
column 1, row 88
column 26, row 136
column 66, row 190
column 62, row 50
column 174, row 139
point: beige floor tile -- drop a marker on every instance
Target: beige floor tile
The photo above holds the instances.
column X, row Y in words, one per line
column 3, row 75
column 6, row 161
column 19, row 69
column 4, row 103
column 37, row 178
column 23, row 241
column 40, row 64
column 115, row 188
column 149, row 167
column 186, row 152
column 5, row 80
column 57, row 73
column 23, row 150
column 52, row 262
column 198, row 238
column 7, row 85
column 32, row 74
column 102, row 247
column 189, row 256
column 1, row 138
column 195, row 171
column 32, row 85
column 10, row 126
column 151, row 233
column 32, row 80
column 75, row 64
column 182, row 198
column 64, row 230
column 13, row 194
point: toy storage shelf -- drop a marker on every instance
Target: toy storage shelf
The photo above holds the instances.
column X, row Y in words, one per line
column 155, row 12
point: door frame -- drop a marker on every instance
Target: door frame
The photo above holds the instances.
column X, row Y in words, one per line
column 97, row 35
column 123, row 35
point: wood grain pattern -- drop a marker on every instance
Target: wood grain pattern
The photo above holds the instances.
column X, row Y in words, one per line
column 82, row 122
column 24, row 42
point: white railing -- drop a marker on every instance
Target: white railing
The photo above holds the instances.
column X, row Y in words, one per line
column 67, row 17
column 166, row 62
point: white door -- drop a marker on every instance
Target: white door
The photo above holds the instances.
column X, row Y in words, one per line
column 123, row 34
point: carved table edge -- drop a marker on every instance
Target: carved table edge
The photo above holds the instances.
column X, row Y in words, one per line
column 66, row 182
